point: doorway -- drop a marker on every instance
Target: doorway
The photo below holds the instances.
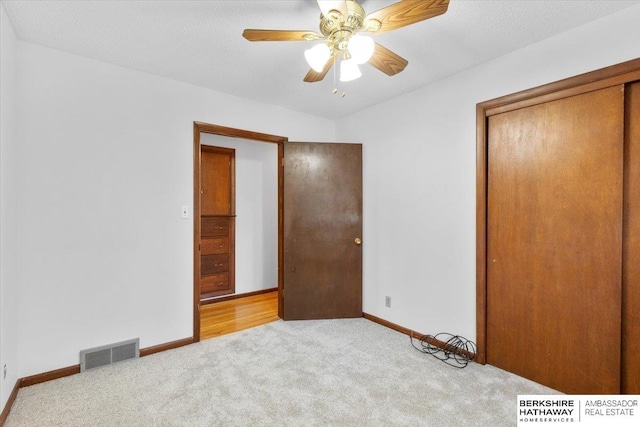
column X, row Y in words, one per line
column 254, row 213
column 206, row 135
column 319, row 226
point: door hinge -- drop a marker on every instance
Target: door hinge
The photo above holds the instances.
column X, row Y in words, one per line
column 282, row 162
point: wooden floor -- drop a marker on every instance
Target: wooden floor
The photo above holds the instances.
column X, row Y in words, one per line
column 225, row 317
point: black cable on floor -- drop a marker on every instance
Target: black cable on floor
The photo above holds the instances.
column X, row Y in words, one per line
column 453, row 350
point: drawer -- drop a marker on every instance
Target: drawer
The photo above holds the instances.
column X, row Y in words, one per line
column 212, row 264
column 214, row 227
column 217, row 282
column 213, row 246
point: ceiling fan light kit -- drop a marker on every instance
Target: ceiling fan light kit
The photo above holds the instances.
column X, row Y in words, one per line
column 349, row 70
column 341, row 22
column 317, row 56
column 359, row 51
column 361, row 48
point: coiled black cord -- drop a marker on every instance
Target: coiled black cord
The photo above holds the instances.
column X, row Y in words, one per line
column 453, row 350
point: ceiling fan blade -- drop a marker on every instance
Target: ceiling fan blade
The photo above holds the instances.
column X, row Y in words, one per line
column 405, row 13
column 314, row 76
column 279, row 35
column 328, row 5
column 386, row 61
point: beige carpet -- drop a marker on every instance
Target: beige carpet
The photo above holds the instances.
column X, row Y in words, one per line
column 306, row 373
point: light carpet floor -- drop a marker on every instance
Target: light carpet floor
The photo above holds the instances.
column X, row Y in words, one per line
column 306, row 373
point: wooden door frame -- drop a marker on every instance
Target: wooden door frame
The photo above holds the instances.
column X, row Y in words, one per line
column 207, row 128
column 599, row 79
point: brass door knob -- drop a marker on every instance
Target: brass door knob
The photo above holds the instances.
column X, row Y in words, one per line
column 357, row 241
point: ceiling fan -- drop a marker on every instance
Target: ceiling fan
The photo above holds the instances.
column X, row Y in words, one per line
column 341, row 25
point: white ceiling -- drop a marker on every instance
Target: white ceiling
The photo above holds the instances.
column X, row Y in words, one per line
column 200, row 42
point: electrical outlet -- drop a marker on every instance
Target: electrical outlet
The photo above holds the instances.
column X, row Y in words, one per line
column 387, row 301
column 4, row 372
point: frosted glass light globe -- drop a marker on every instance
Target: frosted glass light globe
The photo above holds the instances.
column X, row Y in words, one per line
column 361, row 48
column 317, row 56
column 349, row 70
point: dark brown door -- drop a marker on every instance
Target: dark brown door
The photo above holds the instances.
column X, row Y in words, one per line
column 217, row 222
column 631, row 260
column 554, row 242
column 322, row 231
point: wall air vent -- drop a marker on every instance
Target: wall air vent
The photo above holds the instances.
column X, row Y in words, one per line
column 108, row 354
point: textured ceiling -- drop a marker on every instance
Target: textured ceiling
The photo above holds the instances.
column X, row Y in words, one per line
column 200, row 42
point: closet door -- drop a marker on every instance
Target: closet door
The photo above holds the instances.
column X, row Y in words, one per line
column 631, row 254
column 554, row 241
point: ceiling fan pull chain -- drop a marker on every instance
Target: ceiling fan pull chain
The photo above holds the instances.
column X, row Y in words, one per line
column 335, row 88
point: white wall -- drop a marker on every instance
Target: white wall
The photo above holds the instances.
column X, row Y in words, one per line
column 101, row 160
column 8, row 234
column 256, row 211
column 103, row 164
column 419, row 174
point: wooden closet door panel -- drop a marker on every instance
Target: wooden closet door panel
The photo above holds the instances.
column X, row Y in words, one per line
column 216, row 191
column 631, row 254
column 554, row 241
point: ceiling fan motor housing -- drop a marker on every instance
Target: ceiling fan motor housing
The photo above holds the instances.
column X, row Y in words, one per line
column 338, row 29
